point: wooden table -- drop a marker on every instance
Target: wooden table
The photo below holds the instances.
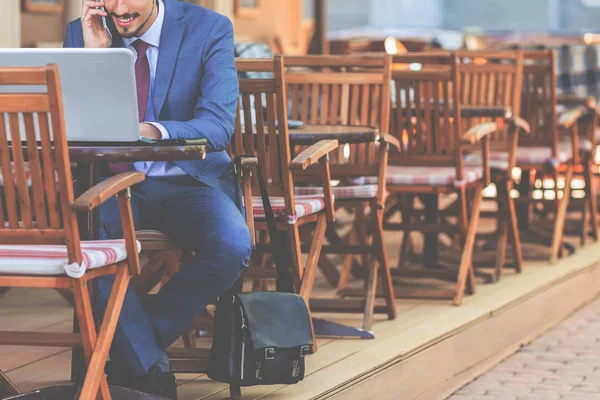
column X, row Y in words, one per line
column 309, row 134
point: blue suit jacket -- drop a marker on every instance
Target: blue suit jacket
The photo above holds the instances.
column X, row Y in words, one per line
column 196, row 84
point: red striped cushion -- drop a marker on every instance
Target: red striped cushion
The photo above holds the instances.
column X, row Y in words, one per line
column 433, row 176
column 540, row 155
column 305, row 205
column 27, row 175
column 525, row 155
column 53, row 260
column 498, row 163
column 342, row 192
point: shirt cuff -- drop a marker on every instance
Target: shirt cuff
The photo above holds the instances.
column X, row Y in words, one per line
column 163, row 131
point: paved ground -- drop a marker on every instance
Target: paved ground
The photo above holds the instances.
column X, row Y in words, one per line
column 563, row 364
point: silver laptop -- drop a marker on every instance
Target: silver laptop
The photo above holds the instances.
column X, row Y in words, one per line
column 98, row 90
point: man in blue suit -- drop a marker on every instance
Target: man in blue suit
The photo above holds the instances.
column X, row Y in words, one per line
column 187, row 88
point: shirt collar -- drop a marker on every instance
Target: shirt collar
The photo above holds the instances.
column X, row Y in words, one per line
column 152, row 35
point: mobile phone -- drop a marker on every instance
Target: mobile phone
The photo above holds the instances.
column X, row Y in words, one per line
column 104, row 24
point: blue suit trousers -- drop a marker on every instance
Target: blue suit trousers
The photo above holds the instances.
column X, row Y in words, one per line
column 197, row 217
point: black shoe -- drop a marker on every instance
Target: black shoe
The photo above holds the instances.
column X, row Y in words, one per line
column 157, row 383
column 116, row 376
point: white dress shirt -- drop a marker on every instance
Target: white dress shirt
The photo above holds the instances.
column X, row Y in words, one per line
column 152, row 37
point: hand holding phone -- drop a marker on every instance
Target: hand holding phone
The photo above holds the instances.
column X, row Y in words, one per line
column 93, row 24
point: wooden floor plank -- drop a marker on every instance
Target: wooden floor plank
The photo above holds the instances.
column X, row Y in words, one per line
column 420, row 325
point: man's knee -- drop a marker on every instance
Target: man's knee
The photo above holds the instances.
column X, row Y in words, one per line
column 231, row 248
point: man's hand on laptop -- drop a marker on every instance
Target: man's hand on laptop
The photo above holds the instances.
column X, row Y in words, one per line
column 150, row 131
column 94, row 34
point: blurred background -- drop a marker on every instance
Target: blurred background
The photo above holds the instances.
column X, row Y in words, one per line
column 290, row 25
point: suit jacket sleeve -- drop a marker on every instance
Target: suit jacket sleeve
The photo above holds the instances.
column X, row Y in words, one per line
column 69, row 42
column 215, row 109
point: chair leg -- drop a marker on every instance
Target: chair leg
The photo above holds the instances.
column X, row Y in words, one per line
column 296, row 255
column 502, row 228
column 406, row 212
column 346, row 271
column 384, row 265
column 591, row 200
column 561, row 214
column 514, row 227
column 466, row 260
column 313, row 257
column 306, row 284
column 97, row 350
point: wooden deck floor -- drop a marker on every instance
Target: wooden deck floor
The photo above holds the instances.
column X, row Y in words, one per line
column 349, row 368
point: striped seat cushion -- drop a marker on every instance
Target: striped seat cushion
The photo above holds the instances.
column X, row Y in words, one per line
column 525, row 155
column 432, row 176
column 27, row 171
column 53, row 260
column 305, row 205
column 342, row 192
column 540, row 155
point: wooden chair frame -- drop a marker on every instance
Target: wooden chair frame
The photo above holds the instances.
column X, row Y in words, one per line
column 432, row 136
column 257, row 139
column 50, row 218
column 495, row 78
column 351, row 90
column 539, row 109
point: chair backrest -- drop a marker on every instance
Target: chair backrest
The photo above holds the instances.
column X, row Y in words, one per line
column 539, row 99
column 352, row 90
column 37, row 186
column 258, row 129
column 491, row 77
column 426, row 118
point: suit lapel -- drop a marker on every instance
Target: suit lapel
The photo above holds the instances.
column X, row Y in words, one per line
column 170, row 43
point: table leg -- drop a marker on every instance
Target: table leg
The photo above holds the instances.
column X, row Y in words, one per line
column 523, row 209
column 431, row 243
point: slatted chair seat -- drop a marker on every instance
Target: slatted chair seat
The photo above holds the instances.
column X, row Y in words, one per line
column 53, row 259
column 305, row 205
column 345, row 192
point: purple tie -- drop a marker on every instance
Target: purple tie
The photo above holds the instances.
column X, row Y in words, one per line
column 142, row 81
column 142, row 76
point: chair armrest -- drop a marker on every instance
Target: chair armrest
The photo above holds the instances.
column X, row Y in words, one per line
column 98, row 194
column 241, row 163
column 478, row 132
column 313, row 153
column 568, row 118
column 574, row 100
column 520, row 123
column 389, row 139
column 248, row 161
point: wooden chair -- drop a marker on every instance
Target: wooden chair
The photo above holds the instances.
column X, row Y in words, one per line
column 40, row 243
column 430, row 163
column 351, row 90
column 260, row 138
column 495, row 78
column 552, row 145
